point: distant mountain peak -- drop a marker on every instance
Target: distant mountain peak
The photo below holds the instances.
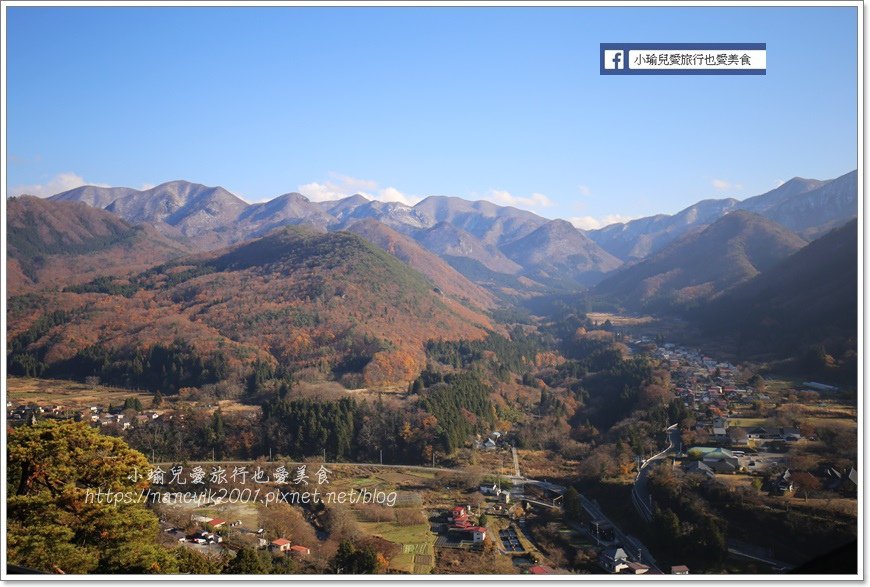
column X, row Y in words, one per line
column 501, row 239
column 807, row 206
column 290, row 196
column 705, row 263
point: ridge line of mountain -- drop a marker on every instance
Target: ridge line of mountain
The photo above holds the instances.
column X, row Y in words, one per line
column 505, row 240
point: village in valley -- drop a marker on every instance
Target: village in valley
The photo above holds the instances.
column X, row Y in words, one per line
column 753, row 429
column 764, row 440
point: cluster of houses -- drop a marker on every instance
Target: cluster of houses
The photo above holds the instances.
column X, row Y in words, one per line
column 460, row 531
column 709, row 389
column 461, row 524
column 96, row 415
column 211, row 530
column 206, row 536
column 29, row 413
column 705, row 385
column 829, row 478
column 768, row 433
column 501, row 495
column 722, row 433
column 709, row 461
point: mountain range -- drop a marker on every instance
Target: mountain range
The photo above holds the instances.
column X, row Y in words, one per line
column 352, row 289
column 808, row 299
column 503, row 248
column 63, row 243
column 703, row 264
column 809, row 207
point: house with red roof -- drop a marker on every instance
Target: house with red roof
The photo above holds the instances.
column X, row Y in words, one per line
column 541, row 570
column 280, row 545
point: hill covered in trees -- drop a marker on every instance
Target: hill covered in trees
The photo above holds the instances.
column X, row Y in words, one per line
column 703, row 264
column 805, row 306
column 58, row 243
column 324, row 305
column 406, row 249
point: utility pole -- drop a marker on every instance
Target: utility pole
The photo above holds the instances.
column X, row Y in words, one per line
column 382, row 456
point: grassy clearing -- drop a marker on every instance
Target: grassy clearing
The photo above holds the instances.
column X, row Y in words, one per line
column 830, row 415
column 781, row 385
column 836, row 505
column 415, row 534
column 846, row 423
column 70, row 394
column 229, row 406
column 748, row 422
column 619, row 320
column 76, row 396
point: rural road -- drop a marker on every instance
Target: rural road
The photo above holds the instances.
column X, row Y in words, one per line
column 639, row 493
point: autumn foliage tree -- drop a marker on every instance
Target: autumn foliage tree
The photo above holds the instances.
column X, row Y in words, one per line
column 391, row 367
column 52, row 524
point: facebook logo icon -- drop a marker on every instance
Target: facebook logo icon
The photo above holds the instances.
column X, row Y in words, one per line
column 614, row 59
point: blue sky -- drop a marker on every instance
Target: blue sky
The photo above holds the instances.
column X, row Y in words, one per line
column 504, row 104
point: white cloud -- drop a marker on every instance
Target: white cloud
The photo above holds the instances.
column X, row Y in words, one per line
column 724, row 185
column 505, row 198
column 779, row 182
column 591, row 223
column 391, row 194
column 320, row 192
column 146, row 186
column 341, row 186
column 355, row 183
column 57, row 184
column 584, row 190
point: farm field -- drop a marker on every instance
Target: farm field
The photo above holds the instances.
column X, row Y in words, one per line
column 70, row 394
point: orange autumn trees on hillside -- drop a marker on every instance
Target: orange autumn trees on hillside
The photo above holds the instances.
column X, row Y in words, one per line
column 329, row 304
column 391, row 368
